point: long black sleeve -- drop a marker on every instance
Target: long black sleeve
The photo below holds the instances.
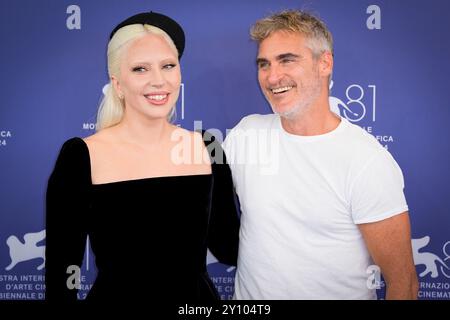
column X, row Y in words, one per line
column 223, row 233
column 66, row 206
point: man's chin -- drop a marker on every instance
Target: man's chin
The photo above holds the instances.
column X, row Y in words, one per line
column 282, row 109
column 286, row 112
column 292, row 113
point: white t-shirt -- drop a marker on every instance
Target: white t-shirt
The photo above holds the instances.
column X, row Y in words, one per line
column 301, row 200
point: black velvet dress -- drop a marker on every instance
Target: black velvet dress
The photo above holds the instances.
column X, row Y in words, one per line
column 149, row 236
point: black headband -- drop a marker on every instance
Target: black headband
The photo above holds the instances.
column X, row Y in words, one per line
column 170, row 26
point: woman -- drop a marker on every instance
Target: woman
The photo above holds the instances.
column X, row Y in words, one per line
column 145, row 191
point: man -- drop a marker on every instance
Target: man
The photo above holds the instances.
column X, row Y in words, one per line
column 331, row 209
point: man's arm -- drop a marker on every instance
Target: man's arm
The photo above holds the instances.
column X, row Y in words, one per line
column 389, row 244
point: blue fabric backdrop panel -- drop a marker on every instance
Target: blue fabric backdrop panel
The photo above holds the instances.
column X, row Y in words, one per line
column 390, row 77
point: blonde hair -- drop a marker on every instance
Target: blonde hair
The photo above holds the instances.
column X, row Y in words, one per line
column 319, row 38
column 111, row 108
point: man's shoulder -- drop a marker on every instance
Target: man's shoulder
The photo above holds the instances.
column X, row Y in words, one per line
column 361, row 148
column 248, row 127
column 256, row 121
column 358, row 139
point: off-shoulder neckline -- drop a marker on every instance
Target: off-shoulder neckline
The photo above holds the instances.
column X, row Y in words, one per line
column 138, row 180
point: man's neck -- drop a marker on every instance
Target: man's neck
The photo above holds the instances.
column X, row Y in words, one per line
column 317, row 120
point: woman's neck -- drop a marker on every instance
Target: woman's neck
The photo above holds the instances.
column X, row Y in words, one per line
column 146, row 133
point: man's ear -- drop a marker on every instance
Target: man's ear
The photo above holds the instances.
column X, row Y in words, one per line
column 326, row 64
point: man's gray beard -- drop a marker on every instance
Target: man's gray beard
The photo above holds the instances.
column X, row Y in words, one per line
column 294, row 112
column 297, row 110
column 301, row 108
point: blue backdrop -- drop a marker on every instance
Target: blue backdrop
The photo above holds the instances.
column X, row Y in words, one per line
column 390, row 77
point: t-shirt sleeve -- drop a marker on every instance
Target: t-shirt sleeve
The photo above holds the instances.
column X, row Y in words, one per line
column 228, row 147
column 377, row 192
column 234, row 136
column 66, row 206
